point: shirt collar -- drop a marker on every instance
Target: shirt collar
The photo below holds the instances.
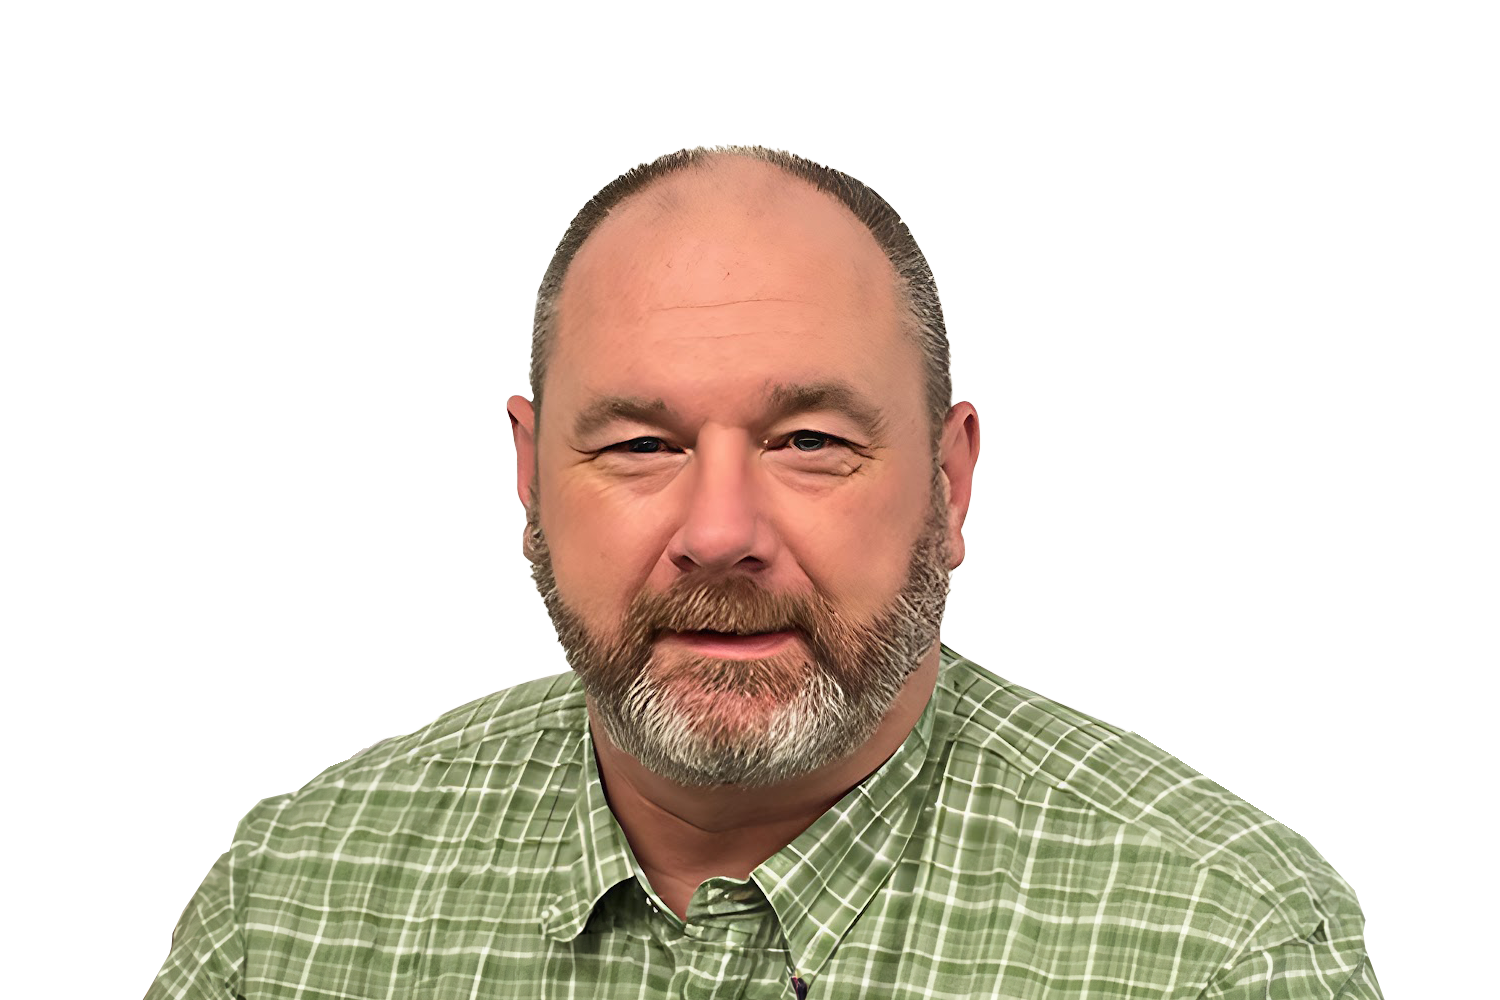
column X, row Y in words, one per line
column 604, row 859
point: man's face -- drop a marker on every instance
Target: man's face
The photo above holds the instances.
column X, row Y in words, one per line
column 737, row 525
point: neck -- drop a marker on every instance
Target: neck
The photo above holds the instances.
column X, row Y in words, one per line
column 682, row 835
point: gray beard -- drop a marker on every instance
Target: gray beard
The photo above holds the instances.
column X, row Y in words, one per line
column 818, row 704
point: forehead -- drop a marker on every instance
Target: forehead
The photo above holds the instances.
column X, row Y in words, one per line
column 737, row 271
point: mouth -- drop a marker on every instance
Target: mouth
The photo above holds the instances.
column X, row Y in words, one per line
column 730, row 645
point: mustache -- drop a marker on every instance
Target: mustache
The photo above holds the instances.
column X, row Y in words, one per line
column 736, row 604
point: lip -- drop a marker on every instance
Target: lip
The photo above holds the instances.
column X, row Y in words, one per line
column 728, row 646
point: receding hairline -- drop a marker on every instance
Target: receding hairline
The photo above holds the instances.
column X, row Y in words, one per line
column 714, row 183
column 665, row 186
column 673, row 192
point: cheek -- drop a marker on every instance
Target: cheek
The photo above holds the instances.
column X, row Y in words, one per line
column 603, row 551
column 857, row 549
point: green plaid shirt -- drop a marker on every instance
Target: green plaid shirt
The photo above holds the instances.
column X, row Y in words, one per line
column 1011, row 847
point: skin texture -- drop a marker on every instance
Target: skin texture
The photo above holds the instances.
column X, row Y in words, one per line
column 714, row 316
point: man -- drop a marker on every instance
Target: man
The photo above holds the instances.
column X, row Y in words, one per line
column 745, row 487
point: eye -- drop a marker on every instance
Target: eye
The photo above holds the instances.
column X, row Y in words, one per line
column 809, row 440
column 805, row 452
column 641, row 446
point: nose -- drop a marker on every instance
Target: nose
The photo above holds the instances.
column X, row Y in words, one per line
column 723, row 525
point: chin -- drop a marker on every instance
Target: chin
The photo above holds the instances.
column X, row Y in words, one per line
column 713, row 686
column 736, row 722
column 723, row 711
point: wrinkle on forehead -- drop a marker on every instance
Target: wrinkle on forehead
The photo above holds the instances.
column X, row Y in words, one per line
column 730, row 302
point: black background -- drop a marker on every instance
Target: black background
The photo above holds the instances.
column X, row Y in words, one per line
column 318, row 531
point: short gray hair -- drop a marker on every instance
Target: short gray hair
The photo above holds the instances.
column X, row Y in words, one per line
column 913, row 276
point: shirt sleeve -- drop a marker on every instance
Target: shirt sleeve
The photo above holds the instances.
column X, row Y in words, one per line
column 207, row 958
column 1317, row 951
column 1287, row 972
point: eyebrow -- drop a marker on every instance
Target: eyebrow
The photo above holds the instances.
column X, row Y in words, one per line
column 784, row 399
column 607, row 409
column 835, row 396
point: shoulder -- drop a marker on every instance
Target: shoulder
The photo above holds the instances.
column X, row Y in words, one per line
column 1106, row 796
column 523, row 735
column 548, row 705
column 494, row 727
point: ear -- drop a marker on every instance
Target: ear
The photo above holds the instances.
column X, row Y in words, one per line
column 523, row 431
column 524, row 435
column 958, row 451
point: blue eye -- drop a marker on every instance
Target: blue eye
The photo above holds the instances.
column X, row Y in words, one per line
column 808, row 441
column 642, row 445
